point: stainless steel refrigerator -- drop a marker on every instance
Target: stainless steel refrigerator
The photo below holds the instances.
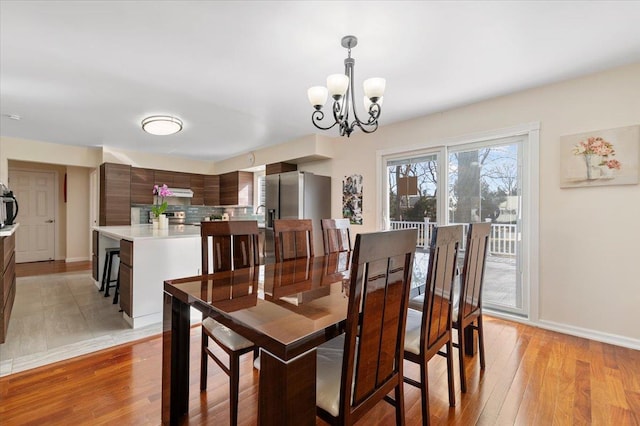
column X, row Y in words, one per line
column 296, row 195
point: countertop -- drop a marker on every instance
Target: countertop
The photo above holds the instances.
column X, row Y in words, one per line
column 146, row 231
column 7, row 231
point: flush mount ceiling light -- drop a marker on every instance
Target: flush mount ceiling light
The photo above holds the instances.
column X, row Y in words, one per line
column 161, row 125
column 340, row 87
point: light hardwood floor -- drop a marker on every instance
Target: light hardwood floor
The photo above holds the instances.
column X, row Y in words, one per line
column 533, row 377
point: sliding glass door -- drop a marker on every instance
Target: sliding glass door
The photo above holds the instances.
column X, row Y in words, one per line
column 484, row 186
column 481, row 182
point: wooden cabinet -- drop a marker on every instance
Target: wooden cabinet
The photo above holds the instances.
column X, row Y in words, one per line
column 7, row 281
column 181, row 180
column 236, row 188
column 126, row 277
column 115, row 194
column 163, row 177
column 212, row 190
column 197, row 186
column 275, row 168
column 142, row 181
column 95, row 257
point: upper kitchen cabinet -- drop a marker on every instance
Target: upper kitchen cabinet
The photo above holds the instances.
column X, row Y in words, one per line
column 142, row 181
column 197, row 186
column 236, row 188
column 181, row 180
column 211, row 190
column 172, row 179
column 115, row 194
column 163, row 177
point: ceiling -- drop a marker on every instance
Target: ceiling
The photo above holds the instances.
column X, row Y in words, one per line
column 237, row 72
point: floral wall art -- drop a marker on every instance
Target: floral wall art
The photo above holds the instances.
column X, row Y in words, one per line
column 352, row 199
column 602, row 157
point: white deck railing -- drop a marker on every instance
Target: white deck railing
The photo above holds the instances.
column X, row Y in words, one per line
column 502, row 240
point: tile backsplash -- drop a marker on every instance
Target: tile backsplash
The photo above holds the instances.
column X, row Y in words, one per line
column 196, row 214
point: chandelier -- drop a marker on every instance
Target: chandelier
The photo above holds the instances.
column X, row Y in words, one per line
column 340, row 87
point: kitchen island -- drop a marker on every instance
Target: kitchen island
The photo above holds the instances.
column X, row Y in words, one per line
column 148, row 257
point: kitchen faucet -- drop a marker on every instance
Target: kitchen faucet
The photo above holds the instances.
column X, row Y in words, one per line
column 261, row 206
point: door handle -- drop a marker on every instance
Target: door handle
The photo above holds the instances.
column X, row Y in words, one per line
column 49, row 221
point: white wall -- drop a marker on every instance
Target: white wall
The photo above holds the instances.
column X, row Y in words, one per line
column 78, row 227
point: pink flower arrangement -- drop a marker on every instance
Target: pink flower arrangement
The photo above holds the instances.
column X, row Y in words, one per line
column 160, row 192
column 613, row 164
column 594, row 145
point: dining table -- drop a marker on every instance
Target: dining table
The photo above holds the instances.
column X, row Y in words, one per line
column 287, row 309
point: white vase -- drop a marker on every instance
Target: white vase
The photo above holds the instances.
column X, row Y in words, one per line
column 164, row 221
column 155, row 222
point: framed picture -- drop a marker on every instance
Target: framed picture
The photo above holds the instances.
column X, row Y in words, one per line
column 601, row 157
column 352, row 199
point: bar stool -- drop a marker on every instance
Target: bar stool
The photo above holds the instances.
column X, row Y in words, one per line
column 106, row 273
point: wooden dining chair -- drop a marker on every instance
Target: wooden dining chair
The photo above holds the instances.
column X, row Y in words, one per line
column 360, row 367
column 467, row 315
column 429, row 330
column 336, row 236
column 293, row 238
column 226, row 246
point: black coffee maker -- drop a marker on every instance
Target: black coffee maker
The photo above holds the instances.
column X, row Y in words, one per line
column 8, row 207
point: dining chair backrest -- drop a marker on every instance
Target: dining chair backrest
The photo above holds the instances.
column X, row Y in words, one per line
column 229, row 245
column 380, row 278
column 336, row 235
column 472, row 277
column 293, row 238
column 437, row 308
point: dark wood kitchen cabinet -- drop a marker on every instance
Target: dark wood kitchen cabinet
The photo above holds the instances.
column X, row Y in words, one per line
column 212, row 190
column 115, row 194
column 95, row 256
column 236, row 188
column 181, row 180
column 125, row 275
column 7, row 281
column 142, row 185
column 163, row 177
column 172, row 179
column 197, row 186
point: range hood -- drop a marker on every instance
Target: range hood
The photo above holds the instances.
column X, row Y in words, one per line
column 181, row 192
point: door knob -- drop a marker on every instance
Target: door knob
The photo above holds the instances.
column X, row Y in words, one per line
column 48, row 221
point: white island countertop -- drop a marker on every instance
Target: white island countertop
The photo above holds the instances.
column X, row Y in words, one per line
column 146, row 232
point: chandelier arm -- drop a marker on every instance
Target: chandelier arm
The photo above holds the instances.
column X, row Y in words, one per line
column 316, row 117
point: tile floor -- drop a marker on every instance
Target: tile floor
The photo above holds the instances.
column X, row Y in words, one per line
column 60, row 316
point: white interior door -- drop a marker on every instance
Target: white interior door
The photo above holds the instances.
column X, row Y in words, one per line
column 35, row 192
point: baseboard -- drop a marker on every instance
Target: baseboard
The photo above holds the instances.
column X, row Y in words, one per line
column 586, row 333
column 76, row 259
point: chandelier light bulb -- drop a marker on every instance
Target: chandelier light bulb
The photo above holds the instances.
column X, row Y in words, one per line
column 337, row 85
column 317, row 96
column 374, row 88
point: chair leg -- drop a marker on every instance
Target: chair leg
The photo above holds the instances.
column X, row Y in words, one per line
column 109, row 259
column 104, row 273
column 399, row 396
column 204, row 360
column 481, row 342
column 424, row 383
column 116, row 293
column 452, row 390
column 463, row 374
column 234, row 384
